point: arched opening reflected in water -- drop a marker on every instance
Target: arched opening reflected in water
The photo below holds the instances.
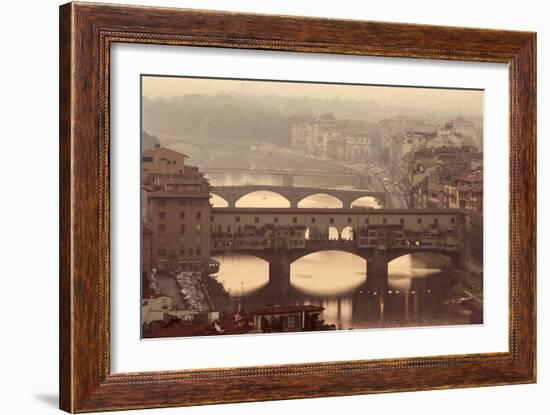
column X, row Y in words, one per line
column 328, row 273
column 242, row 274
column 337, row 281
column 404, row 269
column 320, row 200
column 263, row 199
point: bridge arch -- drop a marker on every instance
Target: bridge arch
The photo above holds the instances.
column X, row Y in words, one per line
column 218, row 201
column 282, row 199
column 329, row 279
column 302, row 254
column 366, row 201
column 330, row 202
column 426, row 258
column 255, row 277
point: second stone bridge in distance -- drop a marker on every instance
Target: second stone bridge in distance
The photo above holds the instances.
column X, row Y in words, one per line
column 232, row 194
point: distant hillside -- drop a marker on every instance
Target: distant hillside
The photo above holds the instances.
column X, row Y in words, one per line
column 148, row 140
column 266, row 118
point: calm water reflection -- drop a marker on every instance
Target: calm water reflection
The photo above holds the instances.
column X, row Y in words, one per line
column 337, row 281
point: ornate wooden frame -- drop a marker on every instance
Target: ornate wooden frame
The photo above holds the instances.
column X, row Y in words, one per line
column 86, row 33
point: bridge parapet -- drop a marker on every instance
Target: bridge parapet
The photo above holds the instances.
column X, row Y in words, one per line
column 378, row 236
column 294, row 195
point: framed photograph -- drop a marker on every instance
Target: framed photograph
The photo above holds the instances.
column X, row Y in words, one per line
column 259, row 207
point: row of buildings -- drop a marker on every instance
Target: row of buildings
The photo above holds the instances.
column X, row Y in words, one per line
column 403, row 135
column 448, row 177
column 165, row 320
column 439, row 165
column 328, row 138
column 175, row 200
column 259, row 231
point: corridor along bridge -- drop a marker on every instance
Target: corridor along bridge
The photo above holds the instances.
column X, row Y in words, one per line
column 281, row 236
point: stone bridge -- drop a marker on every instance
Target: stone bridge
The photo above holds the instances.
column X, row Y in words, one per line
column 282, row 236
column 232, row 194
column 288, row 176
column 377, row 258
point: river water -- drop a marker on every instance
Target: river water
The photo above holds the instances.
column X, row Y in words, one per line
column 420, row 293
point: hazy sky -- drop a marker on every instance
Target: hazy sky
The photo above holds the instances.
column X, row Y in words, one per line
column 470, row 101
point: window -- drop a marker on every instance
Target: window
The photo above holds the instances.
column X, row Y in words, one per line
column 162, row 215
column 366, row 221
column 294, row 220
column 182, row 252
column 211, row 218
column 147, row 159
column 384, row 221
column 162, row 227
column 312, row 220
column 197, row 228
column 256, row 219
column 198, row 251
column 436, row 221
column 331, row 220
column 419, row 220
column 182, row 228
column 452, row 220
column 238, row 219
column 228, row 228
column 199, row 215
column 276, row 219
column 161, row 252
column 349, row 220
column 182, row 215
column 402, row 221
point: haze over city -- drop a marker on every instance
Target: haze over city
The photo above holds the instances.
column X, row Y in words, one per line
column 457, row 101
column 282, row 207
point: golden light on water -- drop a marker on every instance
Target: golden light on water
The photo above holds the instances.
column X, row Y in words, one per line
column 328, row 273
column 241, row 274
